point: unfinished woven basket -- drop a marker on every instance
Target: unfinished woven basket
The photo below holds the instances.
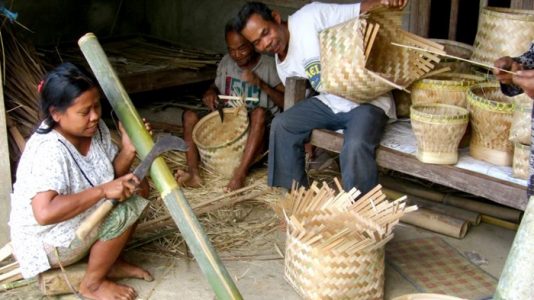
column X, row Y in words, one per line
column 358, row 61
column 457, row 49
column 438, row 129
column 447, row 88
column 502, row 32
column 521, row 130
column 491, row 118
column 520, row 166
column 335, row 247
column 221, row 145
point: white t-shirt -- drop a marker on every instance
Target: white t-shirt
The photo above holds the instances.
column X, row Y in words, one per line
column 51, row 163
column 303, row 53
column 229, row 81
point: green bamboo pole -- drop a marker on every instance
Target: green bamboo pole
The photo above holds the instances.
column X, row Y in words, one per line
column 172, row 195
column 517, row 277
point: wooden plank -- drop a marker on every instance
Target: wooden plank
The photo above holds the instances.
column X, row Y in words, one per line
column 295, row 90
column 150, row 81
column 453, row 19
column 420, row 17
column 5, row 170
column 522, row 4
column 500, row 191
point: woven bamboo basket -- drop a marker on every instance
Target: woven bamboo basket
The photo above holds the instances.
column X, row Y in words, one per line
column 457, row 49
column 521, row 130
column 447, row 88
column 335, row 246
column 438, row 129
column 520, row 166
column 491, row 118
column 502, row 32
column 358, row 61
column 221, row 145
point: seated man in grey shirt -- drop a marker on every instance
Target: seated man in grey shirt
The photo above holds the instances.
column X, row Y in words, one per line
column 242, row 71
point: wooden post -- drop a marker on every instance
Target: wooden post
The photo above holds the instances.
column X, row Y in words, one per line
column 295, row 90
column 5, row 170
column 517, row 277
column 453, row 19
column 173, row 197
column 522, row 4
column 420, row 17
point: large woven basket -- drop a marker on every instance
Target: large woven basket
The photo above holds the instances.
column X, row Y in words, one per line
column 335, row 246
column 221, row 145
column 438, row 129
column 502, row 32
column 491, row 118
column 521, row 130
column 358, row 61
column 447, row 88
column 457, row 49
column 520, row 166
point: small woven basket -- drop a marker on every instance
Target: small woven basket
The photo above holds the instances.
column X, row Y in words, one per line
column 520, row 165
column 457, row 49
column 491, row 118
column 221, row 145
column 335, row 246
column 358, row 61
column 438, row 129
column 521, row 130
column 502, row 32
column 447, row 88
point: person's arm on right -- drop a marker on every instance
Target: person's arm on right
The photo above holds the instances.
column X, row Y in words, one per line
column 50, row 207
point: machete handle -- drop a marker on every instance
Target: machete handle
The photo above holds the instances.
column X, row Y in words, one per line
column 90, row 222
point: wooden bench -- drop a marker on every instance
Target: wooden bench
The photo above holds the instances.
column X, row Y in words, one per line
column 501, row 191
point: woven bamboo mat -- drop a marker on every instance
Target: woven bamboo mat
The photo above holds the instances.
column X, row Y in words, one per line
column 433, row 266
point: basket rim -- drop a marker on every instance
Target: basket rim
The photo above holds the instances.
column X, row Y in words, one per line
column 492, row 105
column 209, row 117
column 464, row 81
column 509, row 13
column 423, row 116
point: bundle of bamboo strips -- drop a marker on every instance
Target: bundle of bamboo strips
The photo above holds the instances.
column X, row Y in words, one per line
column 335, row 246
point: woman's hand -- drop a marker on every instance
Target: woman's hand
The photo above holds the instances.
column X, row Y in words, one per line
column 125, row 139
column 525, row 80
column 121, row 188
column 506, row 63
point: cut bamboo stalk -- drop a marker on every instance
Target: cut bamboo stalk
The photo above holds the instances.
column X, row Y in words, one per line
column 172, row 195
column 52, row 282
column 6, row 251
column 499, row 222
column 10, row 276
column 9, row 267
column 16, row 284
column 437, row 222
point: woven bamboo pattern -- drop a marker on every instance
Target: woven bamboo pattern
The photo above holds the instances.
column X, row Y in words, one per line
column 491, row 118
column 447, row 88
column 438, row 129
column 359, row 63
column 521, row 130
column 334, row 247
column 502, row 32
column 457, row 49
column 520, row 164
column 221, row 145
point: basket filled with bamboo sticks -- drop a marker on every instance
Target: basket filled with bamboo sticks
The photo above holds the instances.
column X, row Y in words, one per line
column 520, row 166
column 438, row 129
column 334, row 246
column 446, row 88
column 221, row 143
column 491, row 118
column 358, row 61
column 502, row 32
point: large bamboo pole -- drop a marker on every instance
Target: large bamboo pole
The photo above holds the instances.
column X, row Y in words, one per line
column 172, row 195
column 517, row 277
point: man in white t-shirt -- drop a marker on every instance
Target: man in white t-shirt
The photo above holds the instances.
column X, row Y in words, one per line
column 295, row 44
column 242, row 71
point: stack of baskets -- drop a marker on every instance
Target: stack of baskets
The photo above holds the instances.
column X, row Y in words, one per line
column 359, row 62
column 521, row 135
column 335, row 246
column 221, row 144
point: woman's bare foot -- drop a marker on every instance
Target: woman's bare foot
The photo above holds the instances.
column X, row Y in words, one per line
column 188, row 179
column 106, row 290
column 122, row 269
column 237, row 182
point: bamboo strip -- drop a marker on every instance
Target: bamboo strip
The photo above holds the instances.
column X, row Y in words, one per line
column 437, row 222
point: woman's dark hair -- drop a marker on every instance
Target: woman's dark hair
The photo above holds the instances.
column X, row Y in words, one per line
column 251, row 8
column 59, row 89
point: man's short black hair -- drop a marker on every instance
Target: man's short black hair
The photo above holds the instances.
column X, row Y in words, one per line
column 248, row 10
column 231, row 26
